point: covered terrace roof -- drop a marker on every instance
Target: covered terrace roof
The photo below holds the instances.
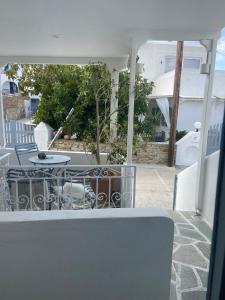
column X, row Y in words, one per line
column 34, row 31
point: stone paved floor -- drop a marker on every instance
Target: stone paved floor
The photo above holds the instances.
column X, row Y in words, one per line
column 154, row 186
column 190, row 257
column 192, row 236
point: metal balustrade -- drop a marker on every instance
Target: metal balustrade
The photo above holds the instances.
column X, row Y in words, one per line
column 67, row 187
column 214, row 138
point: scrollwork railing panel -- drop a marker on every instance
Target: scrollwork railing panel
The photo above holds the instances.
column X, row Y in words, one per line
column 68, row 188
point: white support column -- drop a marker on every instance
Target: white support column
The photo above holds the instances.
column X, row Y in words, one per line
column 131, row 105
column 114, row 104
column 207, row 69
column 2, row 121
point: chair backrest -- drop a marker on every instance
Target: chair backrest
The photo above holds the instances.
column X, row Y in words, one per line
column 28, row 189
column 23, row 149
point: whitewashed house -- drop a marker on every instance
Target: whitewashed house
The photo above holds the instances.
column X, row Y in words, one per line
column 159, row 60
column 9, row 87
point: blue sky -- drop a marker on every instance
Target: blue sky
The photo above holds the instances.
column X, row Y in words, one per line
column 220, row 57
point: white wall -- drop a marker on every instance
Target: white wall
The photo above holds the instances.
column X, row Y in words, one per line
column 218, row 84
column 43, row 134
column 189, row 112
column 212, row 165
column 187, row 149
column 191, row 100
column 186, row 188
column 153, row 54
column 216, row 111
column 94, row 254
column 2, row 127
column 77, row 158
column 192, row 84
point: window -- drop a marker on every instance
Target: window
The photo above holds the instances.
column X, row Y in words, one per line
column 170, row 63
column 188, row 63
column 9, row 87
column 191, row 63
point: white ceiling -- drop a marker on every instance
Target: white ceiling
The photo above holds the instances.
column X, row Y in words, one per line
column 102, row 27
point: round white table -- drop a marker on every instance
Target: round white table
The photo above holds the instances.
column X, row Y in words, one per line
column 50, row 160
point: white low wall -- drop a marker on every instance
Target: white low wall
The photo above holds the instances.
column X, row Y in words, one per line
column 212, row 165
column 186, row 188
column 43, row 134
column 77, row 158
column 99, row 254
column 187, row 149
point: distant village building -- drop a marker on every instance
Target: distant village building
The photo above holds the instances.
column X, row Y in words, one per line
column 159, row 59
column 15, row 105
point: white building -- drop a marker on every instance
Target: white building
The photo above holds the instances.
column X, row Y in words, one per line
column 8, row 86
column 159, row 60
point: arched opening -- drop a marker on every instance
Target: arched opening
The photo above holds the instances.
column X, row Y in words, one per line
column 9, row 88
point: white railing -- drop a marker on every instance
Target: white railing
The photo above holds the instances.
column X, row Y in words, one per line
column 4, row 163
column 18, row 133
column 4, row 160
column 214, row 138
column 68, row 187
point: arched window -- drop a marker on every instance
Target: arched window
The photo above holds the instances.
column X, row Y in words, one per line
column 9, row 88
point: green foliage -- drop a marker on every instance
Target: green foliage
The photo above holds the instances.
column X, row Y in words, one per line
column 180, row 134
column 95, row 85
column 58, row 86
column 148, row 126
column 143, row 88
column 87, row 89
column 118, row 151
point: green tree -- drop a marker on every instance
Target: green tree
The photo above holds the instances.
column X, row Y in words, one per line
column 87, row 89
column 91, row 118
column 143, row 88
column 58, row 86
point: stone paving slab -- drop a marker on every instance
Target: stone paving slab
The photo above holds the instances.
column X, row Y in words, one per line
column 173, row 293
column 185, row 226
column 204, row 228
column 189, row 279
column 195, row 295
column 190, row 257
column 204, row 277
column 204, row 248
column 192, row 236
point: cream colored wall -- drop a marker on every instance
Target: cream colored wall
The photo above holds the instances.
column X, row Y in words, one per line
column 152, row 55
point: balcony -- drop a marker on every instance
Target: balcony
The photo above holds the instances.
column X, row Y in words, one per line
column 65, row 187
column 75, row 187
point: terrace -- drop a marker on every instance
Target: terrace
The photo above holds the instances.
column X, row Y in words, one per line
column 65, row 244
column 44, row 191
column 59, row 186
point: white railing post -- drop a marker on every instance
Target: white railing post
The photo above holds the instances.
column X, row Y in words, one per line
column 130, row 133
column 207, row 69
column 114, row 104
column 2, row 120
